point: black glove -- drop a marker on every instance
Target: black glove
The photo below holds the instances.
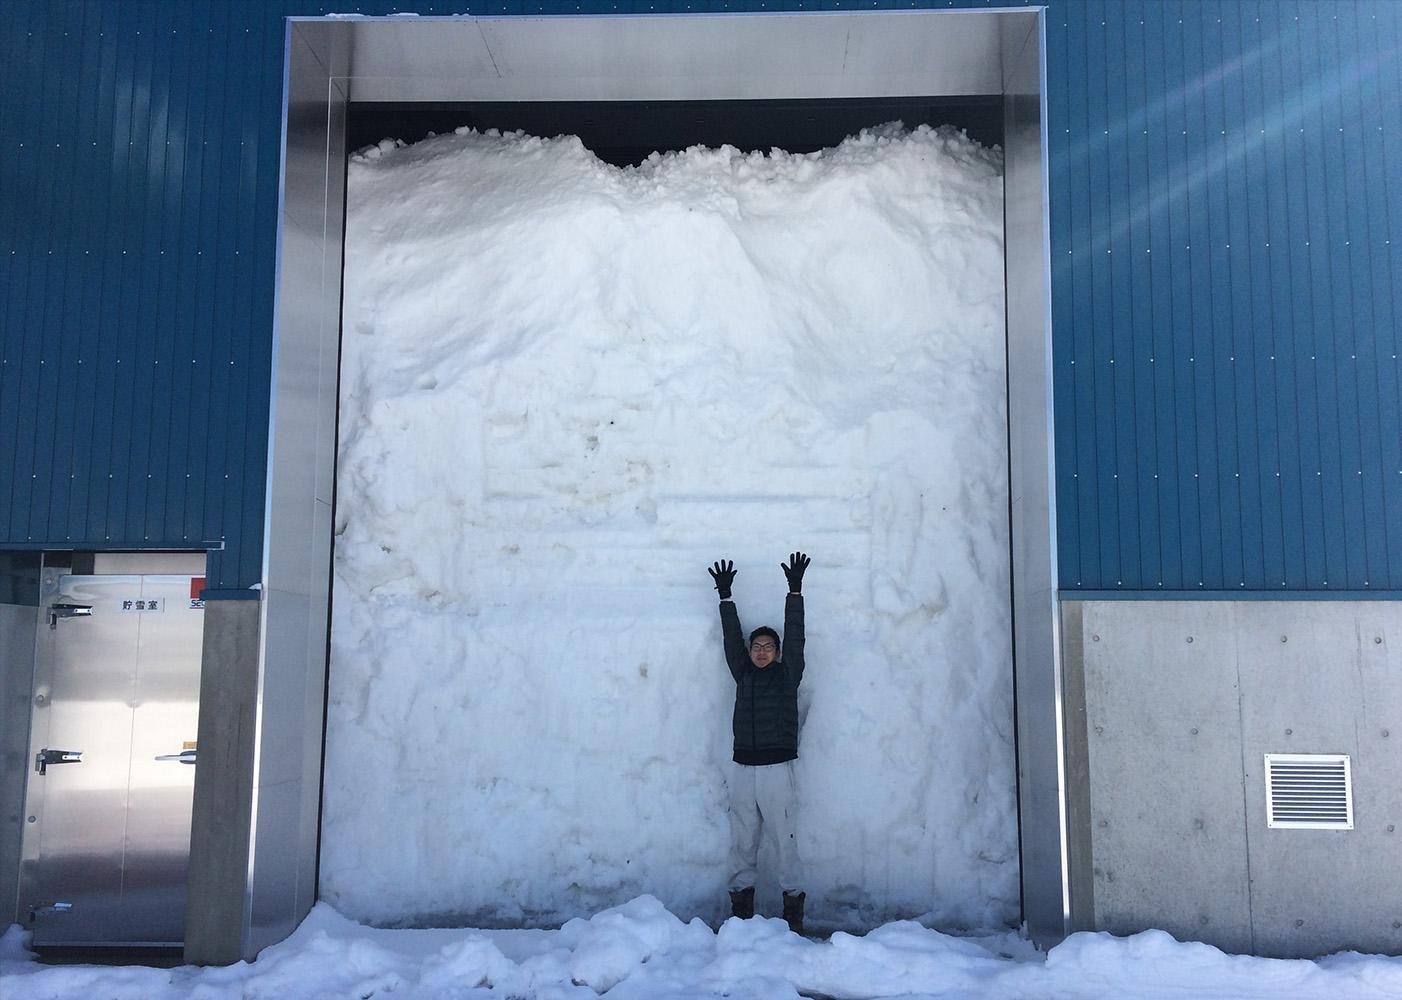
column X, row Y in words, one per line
column 724, row 575
column 798, row 562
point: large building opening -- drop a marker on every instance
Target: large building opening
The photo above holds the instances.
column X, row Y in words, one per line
column 737, row 76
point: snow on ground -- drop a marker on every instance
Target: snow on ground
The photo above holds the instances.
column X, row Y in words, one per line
column 566, row 389
column 639, row 951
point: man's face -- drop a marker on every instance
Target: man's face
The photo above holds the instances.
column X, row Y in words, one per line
column 762, row 651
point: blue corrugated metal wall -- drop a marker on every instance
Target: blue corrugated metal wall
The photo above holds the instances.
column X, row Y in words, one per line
column 140, row 188
column 1227, row 191
column 1226, row 293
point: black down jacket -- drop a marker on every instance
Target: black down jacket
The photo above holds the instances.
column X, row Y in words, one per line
column 766, row 701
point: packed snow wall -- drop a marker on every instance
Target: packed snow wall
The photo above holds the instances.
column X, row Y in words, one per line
column 566, row 389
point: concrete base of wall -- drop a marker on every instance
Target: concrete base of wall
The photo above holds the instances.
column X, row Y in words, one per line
column 221, row 825
column 1171, row 707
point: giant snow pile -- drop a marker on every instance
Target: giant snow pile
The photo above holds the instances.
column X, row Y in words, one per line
column 566, row 389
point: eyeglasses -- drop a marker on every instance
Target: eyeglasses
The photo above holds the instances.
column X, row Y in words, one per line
column 763, row 647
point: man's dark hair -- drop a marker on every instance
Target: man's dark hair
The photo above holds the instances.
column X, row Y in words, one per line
column 766, row 630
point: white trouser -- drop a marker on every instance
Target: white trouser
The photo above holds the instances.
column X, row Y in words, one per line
column 762, row 803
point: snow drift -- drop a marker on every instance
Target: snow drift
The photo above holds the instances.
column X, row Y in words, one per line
column 566, row 388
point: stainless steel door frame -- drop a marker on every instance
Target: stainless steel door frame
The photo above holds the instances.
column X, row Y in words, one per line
column 331, row 61
column 17, row 632
column 107, row 810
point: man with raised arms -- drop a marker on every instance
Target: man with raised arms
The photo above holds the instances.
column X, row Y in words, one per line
column 767, row 672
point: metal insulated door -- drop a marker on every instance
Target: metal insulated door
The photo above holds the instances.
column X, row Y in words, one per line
column 111, row 779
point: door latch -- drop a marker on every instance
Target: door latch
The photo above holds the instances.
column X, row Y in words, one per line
column 184, row 756
column 36, row 909
column 45, row 757
column 57, row 611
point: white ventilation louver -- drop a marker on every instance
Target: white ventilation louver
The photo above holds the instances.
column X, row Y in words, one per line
column 1309, row 791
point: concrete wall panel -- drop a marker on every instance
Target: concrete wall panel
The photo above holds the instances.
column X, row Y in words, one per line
column 219, row 831
column 1182, row 700
column 1168, row 839
column 1304, row 690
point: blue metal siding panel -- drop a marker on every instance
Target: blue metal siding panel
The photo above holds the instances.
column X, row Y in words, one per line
column 1137, row 370
column 1381, row 117
column 1158, row 306
column 1102, row 349
column 1248, row 435
column 1261, row 181
column 1271, row 324
column 1063, row 275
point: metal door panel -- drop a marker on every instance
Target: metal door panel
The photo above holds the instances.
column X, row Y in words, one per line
column 165, row 721
column 76, row 812
column 107, row 847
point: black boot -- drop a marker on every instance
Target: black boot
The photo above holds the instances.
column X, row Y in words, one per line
column 742, row 903
column 793, row 910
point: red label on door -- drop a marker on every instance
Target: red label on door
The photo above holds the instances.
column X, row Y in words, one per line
column 196, row 585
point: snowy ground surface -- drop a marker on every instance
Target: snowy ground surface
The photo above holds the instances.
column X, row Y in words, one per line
column 639, row 951
column 566, row 389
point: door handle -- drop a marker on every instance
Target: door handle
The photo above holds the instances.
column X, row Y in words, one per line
column 45, row 757
column 184, row 756
column 57, row 611
column 36, row 909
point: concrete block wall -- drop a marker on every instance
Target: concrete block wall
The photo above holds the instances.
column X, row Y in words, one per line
column 1171, row 707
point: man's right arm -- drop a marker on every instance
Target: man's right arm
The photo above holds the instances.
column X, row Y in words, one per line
column 735, row 656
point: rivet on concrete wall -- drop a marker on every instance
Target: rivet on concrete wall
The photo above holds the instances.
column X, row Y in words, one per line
column 1104, row 823
column 1284, row 638
column 1377, row 638
column 1194, row 730
column 1391, row 827
column 1299, row 923
column 1095, row 638
column 1289, row 732
column 1190, row 638
column 1385, row 734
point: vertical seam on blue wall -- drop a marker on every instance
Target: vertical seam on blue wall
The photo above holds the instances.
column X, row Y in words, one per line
column 1087, row 331
column 1255, row 571
column 157, row 206
column 1131, row 484
column 1372, row 498
column 1352, row 472
column 1392, row 470
column 1315, row 481
column 1107, row 331
column 1271, row 319
column 58, row 308
column 1201, row 171
column 217, row 448
column 1298, row 474
column 1390, row 273
column 1192, row 310
column 179, row 408
column 188, row 280
column 97, row 515
column 53, row 302
column 22, row 510
column 1335, row 444
column 1232, row 541
column 267, row 147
